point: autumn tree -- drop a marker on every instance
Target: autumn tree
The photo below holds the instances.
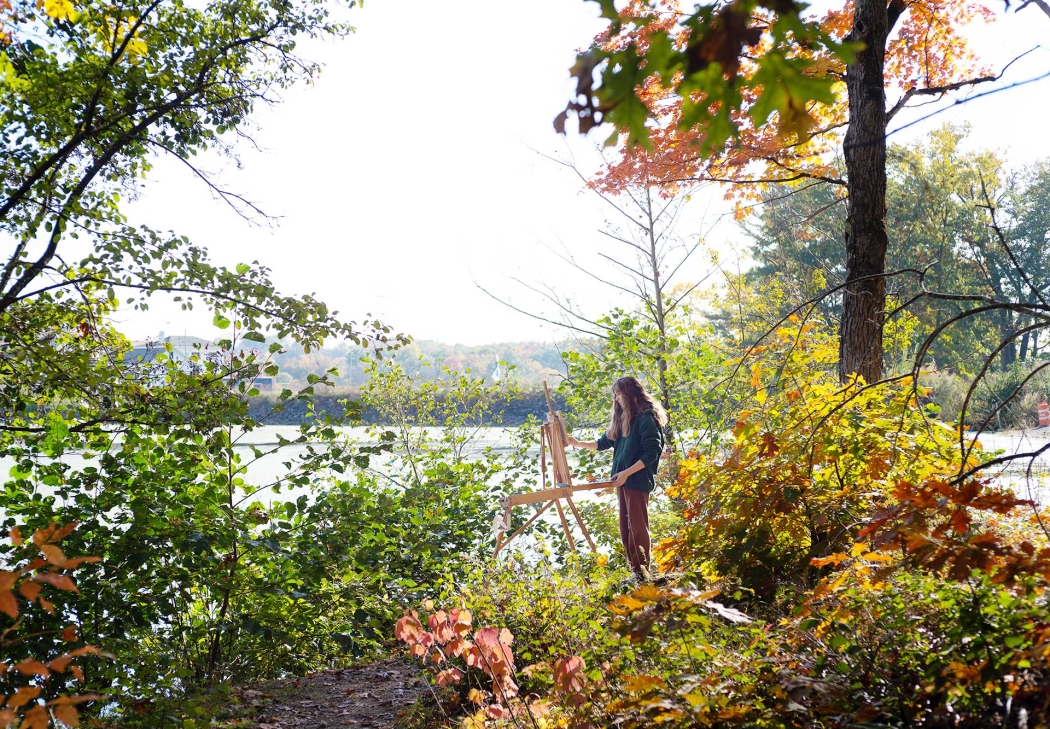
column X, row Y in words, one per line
column 964, row 218
column 192, row 569
column 648, row 253
column 753, row 93
column 92, row 93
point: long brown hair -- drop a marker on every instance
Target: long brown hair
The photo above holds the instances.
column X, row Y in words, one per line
column 635, row 401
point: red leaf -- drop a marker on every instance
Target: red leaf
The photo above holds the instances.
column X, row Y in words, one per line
column 568, row 674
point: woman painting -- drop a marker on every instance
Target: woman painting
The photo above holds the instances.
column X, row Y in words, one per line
column 636, row 436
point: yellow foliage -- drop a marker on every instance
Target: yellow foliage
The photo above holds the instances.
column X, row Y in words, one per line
column 60, row 9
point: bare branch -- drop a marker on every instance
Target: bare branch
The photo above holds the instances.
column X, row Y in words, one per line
column 1038, row 3
column 960, row 102
column 225, row 195
column 563, row 324
column 938, row 91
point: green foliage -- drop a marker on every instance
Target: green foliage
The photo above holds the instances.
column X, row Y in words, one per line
column 214, row 572
column 635, row 346
column 895, row 594
column 94, row 91
column 915, row 649
column 946, row 208
column 705, row 69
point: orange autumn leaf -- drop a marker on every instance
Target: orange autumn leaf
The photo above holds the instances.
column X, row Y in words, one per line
column 32, row 667
column 53, row 555
column 62, row 582
column 8, row 603
column 36, row 717
column 67, row 715
column 643, row 683
column 30, row 590
column 23, row 695
column 448, row 677
column 925, row 50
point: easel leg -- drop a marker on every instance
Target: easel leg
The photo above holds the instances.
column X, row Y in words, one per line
column 504, row 526
column 583, row 527
column 565, row 525
column 523, row 527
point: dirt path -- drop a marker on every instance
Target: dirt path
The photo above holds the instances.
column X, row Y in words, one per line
column 366, row 696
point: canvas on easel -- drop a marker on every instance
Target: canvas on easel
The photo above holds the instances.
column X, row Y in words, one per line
column 553, row 439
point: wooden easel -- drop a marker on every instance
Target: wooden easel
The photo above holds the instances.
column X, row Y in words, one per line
column 553, row 437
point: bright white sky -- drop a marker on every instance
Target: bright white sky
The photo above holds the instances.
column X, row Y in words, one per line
column 408, row 173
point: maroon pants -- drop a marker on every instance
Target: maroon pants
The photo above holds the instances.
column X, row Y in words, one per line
column 634, row 527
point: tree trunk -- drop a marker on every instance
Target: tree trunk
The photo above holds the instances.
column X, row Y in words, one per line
column 1007, row 328
column 661, row 320
column 864, row 298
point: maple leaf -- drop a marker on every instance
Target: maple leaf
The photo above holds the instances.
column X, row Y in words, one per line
column 569, row 676
column 449, row 676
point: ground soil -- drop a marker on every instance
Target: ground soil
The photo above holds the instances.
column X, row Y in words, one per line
column 376, row 695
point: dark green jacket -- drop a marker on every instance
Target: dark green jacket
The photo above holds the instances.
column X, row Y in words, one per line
column 644, row 443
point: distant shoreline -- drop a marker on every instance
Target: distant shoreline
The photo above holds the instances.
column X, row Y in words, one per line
column 296, row 412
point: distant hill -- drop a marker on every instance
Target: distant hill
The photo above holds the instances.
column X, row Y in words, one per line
column 526, row 363
column 531, row 362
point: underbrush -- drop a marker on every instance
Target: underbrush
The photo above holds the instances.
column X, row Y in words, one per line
column 839, row 564
column 913, row 650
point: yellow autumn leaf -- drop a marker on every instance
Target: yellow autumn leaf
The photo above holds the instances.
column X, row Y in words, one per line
column 643, row 683
column 60, row 9
column 830, row 559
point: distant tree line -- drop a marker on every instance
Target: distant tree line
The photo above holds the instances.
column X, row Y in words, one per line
column 528, row 364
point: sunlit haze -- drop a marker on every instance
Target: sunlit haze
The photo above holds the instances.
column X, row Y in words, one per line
column 411, row 171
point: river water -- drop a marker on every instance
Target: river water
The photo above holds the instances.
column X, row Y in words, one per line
column 1029, row 476
column 271, row 467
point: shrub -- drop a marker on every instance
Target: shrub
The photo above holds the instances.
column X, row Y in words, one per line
column 808, row 464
